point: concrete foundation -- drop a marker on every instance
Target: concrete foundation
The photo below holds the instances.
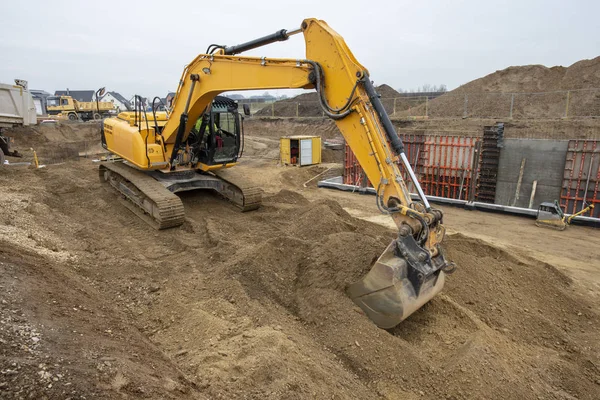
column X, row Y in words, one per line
column 544, row 163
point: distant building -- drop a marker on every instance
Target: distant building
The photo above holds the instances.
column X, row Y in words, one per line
column 263, row 98
column 169, row 99
column 79, row 95
column 235, row 96
column 120, row 102
column 39, row 99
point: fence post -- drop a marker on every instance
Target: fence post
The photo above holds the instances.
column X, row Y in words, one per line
column 567, row 106
column 512, row 103
column 297, row 106
column 273, row 109
column 465, row 107
column 394, row 113
column 426, row 104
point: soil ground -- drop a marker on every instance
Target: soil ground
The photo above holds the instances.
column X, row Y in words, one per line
column 96, row 304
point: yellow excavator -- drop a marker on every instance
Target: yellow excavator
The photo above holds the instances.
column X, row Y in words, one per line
column 197, row 143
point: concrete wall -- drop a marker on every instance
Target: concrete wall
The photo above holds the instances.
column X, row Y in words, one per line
column 545, row 162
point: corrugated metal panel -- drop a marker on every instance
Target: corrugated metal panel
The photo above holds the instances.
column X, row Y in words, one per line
column 581, row 180
column 306, row 151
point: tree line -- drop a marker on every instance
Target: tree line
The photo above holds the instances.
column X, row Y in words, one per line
column 425, row 88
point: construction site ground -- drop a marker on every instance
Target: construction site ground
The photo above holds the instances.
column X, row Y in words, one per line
column 96, row 304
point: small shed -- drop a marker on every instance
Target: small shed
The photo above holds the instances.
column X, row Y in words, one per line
column 300, row 150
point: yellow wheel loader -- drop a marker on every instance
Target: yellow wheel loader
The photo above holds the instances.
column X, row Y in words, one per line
column 199, row 142
column 551, row 215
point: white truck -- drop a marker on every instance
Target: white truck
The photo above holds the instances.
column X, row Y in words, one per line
column 16, row 109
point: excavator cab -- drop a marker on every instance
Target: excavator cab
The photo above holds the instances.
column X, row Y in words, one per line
column 217, row 136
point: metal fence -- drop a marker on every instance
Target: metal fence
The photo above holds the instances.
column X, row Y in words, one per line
column 581, row 103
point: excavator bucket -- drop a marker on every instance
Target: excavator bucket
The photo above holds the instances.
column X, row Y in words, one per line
column 387, row 295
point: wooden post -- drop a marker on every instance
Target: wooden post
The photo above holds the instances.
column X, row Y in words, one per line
column 273, row 109
column 519, row 181
column 512, row 103
column 466, row 106
column 532, row 194
column 297, row 106
column 394, row 113
column 426, row 104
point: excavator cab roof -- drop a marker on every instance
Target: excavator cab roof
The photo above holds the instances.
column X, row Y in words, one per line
column 224, row 104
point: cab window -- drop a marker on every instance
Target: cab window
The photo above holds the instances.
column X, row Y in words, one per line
column 225, row 121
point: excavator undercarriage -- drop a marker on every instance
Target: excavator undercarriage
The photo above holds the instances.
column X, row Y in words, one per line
column 195, row 144
column 151, row 195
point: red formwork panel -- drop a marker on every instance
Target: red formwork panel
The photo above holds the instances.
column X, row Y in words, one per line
column 447, row 165
column 354, row 174
column 581, row 177
column 442, row 164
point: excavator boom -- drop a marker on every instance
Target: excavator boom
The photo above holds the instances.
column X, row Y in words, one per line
column 411, row 270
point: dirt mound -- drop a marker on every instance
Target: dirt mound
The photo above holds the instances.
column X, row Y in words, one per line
column 285, row 196
column 253, row 305
column 303, row 105
column 332, row 156
column 59, row 133
column 584, row 74
column 491, row 96
column 275, row 128
column 307, row 104
column 57, row 143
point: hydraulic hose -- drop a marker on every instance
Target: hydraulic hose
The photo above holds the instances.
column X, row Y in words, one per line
column 324, row 105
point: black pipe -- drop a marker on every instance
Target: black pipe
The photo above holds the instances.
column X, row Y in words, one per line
column 390, row 131
column 278, row 36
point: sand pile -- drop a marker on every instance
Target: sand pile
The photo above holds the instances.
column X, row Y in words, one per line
column 491, row 95
column 307, row 104
column 57, row 143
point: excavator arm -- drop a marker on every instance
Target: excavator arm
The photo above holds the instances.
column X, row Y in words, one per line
column 411, row 270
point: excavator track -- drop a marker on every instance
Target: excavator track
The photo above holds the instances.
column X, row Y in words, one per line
column 143, row 195
column 251, row 196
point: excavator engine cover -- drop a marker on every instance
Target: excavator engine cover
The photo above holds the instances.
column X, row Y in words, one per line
column 399, row 283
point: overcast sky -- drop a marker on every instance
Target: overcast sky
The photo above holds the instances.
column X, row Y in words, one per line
column 142, row 46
